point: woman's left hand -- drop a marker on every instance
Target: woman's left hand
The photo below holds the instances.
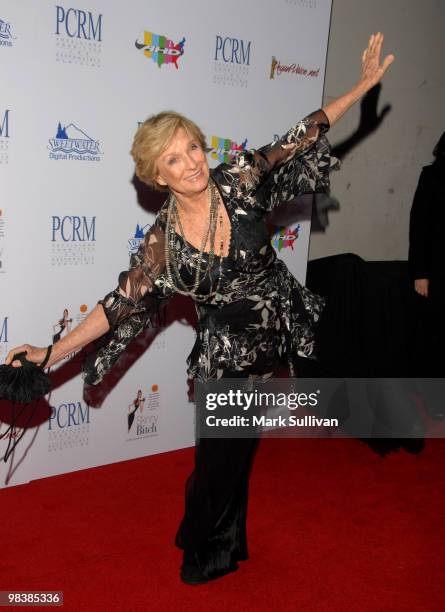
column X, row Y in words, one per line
column 372, row 70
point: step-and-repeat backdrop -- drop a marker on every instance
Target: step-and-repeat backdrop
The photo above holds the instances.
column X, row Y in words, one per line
column 77, row 77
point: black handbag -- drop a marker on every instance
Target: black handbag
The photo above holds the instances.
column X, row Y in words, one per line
column 22, row 385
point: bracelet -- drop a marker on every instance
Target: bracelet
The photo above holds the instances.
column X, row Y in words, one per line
column 47, row 356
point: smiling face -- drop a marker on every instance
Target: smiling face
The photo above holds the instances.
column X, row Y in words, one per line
column 183, row 166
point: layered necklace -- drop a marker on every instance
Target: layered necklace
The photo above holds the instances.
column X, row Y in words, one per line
column 209, row 233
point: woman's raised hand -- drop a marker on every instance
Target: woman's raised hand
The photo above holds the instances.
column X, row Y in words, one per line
column 372, row 70
column 421, row 285
column 35, row 354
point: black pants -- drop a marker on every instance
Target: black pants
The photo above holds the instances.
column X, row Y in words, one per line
column 430, row 332
column 213, row 530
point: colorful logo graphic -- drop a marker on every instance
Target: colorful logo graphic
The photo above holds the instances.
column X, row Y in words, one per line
column 225, row 149
column 6, row 36
column 72, row 143
column 142, row 417
column 285, row 237
column 135, row 241
column 160, row 49
column 277, row 69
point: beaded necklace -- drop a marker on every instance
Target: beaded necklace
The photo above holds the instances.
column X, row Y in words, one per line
column 171, row 264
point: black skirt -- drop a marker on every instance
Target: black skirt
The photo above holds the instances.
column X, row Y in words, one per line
column 212, row 532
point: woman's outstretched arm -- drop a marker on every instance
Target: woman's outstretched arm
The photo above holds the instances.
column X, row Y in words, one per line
column 126, row 300
column 306, row 132
column 92, row 327
column 372, row 73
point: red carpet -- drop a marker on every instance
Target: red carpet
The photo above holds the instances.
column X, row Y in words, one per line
column 332, row 526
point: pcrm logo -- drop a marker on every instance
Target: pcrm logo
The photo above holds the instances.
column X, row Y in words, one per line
column 135, row 241
column 4, row 136
column 4, row 125
column 72, row 143
column 6, row 36
column 285, row 237
column 78, row 36
column 232, row 61
column 68, row 425
column 73, row 229
column 76, row 23
column 159, row 48
column 225, row 149
column 73, row 240
column 232, row 50
column 3, row 337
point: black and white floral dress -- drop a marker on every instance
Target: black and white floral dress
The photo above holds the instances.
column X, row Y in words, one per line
column 261, row 315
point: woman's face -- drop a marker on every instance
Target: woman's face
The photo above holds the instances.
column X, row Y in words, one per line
column 65, row 313
column 183, row 165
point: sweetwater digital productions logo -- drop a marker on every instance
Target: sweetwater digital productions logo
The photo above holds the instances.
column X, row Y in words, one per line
column 135, row 241
column 285, row 237
column 6, row 34
column 224, row 150
column 160, row 49
column 231, row 61
column 78, row 36
column 68, row 426
column 4, row 136
column 72, row 143
column 142, row 415
column 277, row 69
column 3, row 337
column 73, row 240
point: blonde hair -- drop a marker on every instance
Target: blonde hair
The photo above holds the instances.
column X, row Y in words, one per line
column 153, row 137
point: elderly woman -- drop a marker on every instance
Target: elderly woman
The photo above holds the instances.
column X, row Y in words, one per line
column 209, row 241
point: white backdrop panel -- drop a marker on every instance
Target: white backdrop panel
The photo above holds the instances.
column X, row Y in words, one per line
column 67, row 225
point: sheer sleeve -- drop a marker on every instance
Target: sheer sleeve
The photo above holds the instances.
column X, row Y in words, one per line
column 130, row 307
column 139, row 289
column 299, row 162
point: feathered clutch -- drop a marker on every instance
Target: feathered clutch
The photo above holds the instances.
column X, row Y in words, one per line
column 22, row 385
column 26, row 383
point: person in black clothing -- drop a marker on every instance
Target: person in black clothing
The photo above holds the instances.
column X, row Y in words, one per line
column 426, row 257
